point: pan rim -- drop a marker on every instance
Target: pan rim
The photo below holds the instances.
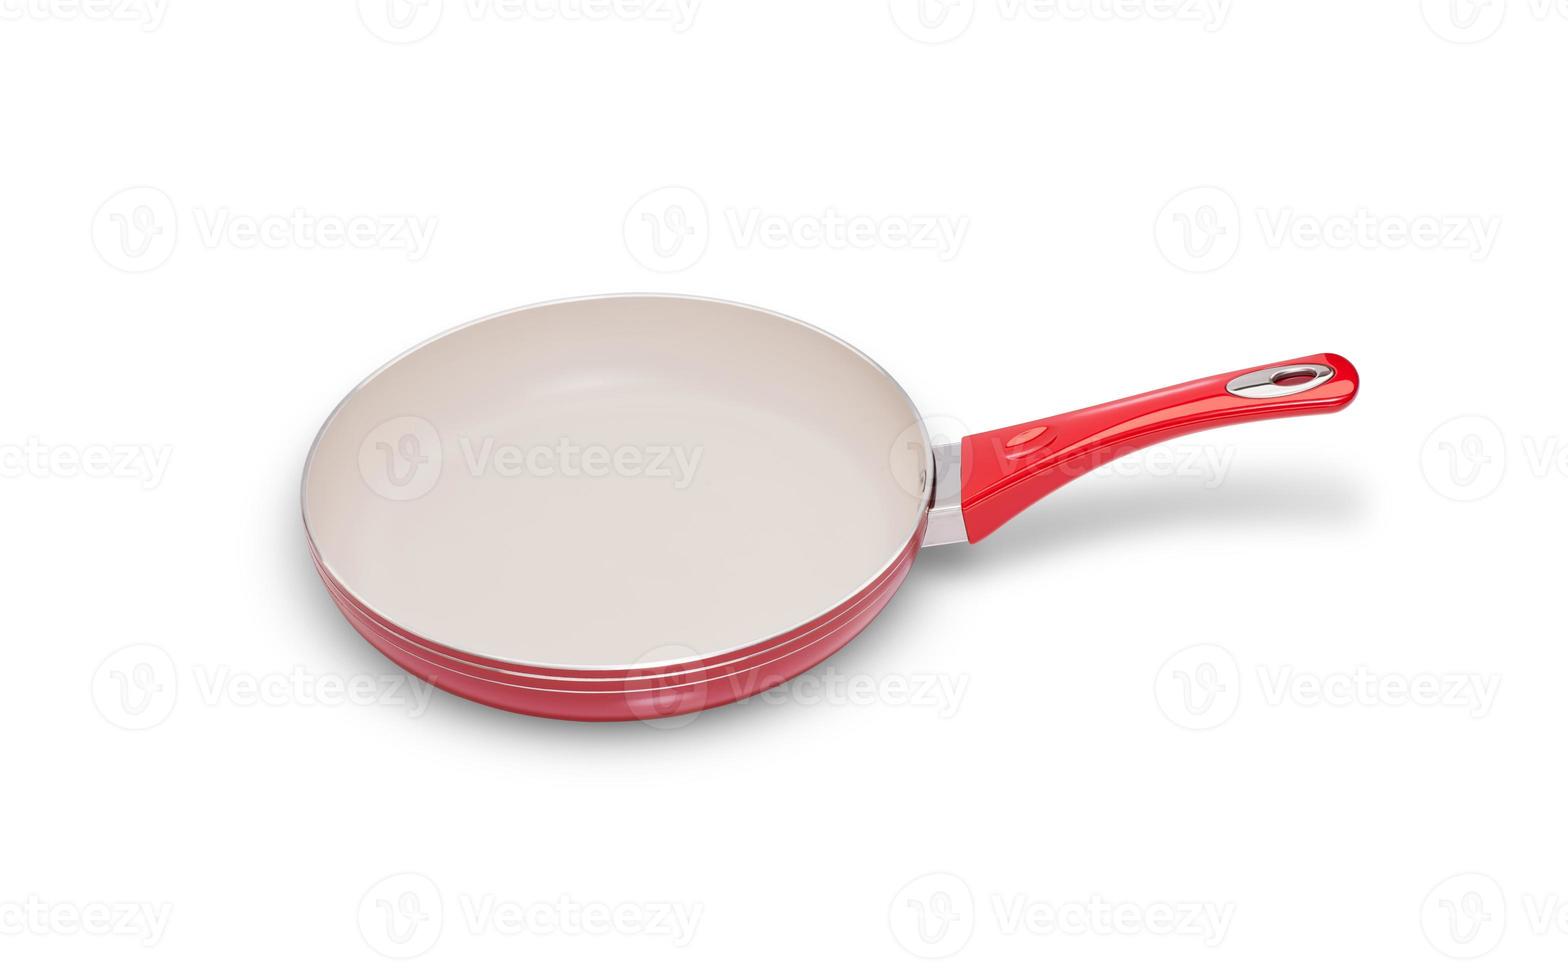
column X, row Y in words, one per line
column 914, row 531
column 620, row 686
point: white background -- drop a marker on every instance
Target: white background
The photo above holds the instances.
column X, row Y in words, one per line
column 1149, row 709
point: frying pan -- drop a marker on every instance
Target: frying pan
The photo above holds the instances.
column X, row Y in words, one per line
column 628, row 507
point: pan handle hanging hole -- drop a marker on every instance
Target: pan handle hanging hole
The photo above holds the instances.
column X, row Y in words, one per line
column 1291, row 379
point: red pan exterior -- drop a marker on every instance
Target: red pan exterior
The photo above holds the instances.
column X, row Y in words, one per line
column 628, row 694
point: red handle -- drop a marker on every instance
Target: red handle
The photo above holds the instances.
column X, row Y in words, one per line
column 1006, row 470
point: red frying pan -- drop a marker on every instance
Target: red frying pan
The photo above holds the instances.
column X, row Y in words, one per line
column 636, row 506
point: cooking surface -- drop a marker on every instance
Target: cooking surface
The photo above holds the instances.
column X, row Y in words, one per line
column 616, row 481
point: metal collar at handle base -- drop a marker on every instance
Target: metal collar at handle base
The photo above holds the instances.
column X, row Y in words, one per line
column 946, row 523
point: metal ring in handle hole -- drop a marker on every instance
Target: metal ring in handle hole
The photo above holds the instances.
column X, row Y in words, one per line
column 1275, row 382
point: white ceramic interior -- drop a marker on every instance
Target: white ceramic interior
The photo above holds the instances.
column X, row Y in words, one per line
column 613, row 482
